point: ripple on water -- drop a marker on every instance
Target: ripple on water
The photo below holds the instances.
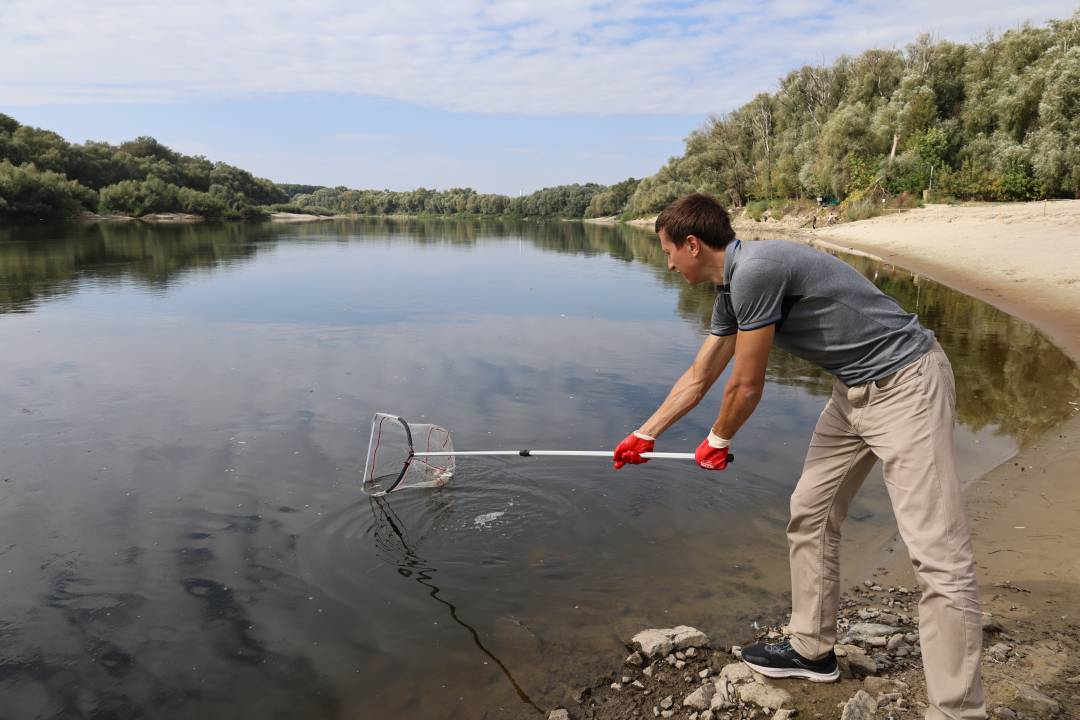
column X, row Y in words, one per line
column 478, row 524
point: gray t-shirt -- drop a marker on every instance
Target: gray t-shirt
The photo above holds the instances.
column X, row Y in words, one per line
column 823, row 309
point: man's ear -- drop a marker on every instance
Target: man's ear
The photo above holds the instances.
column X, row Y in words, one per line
column 693, row 245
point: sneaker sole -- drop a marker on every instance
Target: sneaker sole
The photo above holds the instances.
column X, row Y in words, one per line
column 795, row 673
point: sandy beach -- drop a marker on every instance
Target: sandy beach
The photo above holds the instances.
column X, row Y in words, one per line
column 1021, row 257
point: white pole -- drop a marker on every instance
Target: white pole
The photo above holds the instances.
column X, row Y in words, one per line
column 558, row 453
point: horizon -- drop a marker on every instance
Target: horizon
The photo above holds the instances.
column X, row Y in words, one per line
column 496, row 97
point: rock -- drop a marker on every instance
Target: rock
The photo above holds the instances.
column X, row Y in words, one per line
column 784, row 714
column 691, row 652
column 616, row 686
column 1004, row 713
column 680, row 655
column 901, row 652
column 860, row 707
column 661, row 641
column 736, row 651
column 559, row 714
column 680, row 664
column 1074, row 680
column 865, row 631
column 625, row 679
column 700, row 698
column 736, row 673
column 763, row 695
column 854, row 662
column 634, row 659
column 723, row 696
column 1040, row 705
column 911, row 637
column 878, row 642
column 667, row 713
column 992, row 625
column 889, row 619
column 895, row 641
column 999, row 651
column 704, row 673
column 638, row 684
column 647, row 672
column 667, row 702
column 707, row 715
column 878, row 685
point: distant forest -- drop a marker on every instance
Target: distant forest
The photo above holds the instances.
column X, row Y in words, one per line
column 994, row 120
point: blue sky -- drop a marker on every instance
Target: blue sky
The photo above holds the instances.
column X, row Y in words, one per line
column 499, row 96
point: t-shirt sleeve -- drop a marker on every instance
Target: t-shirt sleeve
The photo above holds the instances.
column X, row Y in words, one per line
column 757, row 293
column 723, row 322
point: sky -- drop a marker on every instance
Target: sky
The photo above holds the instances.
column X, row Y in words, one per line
column 506, row 96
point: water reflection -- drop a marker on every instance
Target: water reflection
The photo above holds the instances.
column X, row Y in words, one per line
column 391, row 539
column 1010, row 376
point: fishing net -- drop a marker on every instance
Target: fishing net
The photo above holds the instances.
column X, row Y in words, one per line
column 392, row 463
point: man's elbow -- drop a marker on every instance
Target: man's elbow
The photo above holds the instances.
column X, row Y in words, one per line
column 746, row 391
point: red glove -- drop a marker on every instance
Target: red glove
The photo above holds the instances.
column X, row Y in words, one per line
column 630, row 449
column 712, row 453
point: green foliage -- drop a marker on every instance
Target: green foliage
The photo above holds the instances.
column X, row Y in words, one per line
column 44, row 175
column 997, row 120
column 27, row 191
column 140, row 197
column 612, row 200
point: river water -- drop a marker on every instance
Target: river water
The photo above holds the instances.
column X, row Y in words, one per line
column 184, row 414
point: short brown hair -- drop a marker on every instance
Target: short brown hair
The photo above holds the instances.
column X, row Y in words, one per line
column 699, row 215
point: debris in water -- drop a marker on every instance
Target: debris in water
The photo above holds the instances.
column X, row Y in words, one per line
column 488, row 518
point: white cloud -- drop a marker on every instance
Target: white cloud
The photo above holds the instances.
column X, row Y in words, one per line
column 564, row 56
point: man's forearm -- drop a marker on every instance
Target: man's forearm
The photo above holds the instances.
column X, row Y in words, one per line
column 684, row 396
column 740, row 400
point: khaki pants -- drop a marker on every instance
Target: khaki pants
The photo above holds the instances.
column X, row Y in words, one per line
column 906, row 421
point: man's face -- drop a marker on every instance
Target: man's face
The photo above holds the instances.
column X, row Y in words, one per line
column 685, row 259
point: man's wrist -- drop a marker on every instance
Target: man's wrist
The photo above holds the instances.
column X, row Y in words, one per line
column 715, row 441
column 642, row 436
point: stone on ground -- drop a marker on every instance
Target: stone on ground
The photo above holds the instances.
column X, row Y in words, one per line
column 658, row 642
column 700, row 698
column 1036, row 703
column 763, row 695
column 860, row 707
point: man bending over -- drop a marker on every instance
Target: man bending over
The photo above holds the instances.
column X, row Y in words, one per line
column 893, row 400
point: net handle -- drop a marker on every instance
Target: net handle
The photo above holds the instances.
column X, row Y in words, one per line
column 560, row 453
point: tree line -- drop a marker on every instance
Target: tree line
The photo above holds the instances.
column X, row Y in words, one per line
column 991, row 120
column 42, row 175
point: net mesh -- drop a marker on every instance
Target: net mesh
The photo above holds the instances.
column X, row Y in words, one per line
column 390, row 463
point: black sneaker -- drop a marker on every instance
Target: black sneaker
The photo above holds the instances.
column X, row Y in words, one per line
column 779, row 660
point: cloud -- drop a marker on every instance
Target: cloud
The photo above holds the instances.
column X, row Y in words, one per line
column 560, row 56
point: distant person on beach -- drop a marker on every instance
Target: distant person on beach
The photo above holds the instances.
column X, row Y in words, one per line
column 893, row 399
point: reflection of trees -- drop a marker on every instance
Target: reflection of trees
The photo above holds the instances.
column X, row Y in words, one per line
column 1008, row 375
column 37, row 263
